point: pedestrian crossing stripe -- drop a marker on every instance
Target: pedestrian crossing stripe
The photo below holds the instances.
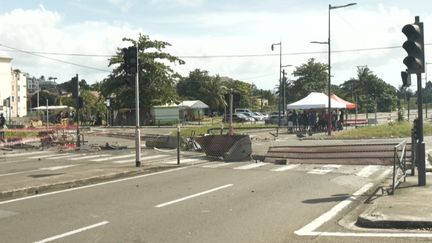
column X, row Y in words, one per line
column 112, row 158
column 250, row 166
column 216, row 165
column 286, row 167
column 324, row 169
column 368, row 170
column 47, row 156
column 142, row 158
column 64, row 156
column 182, row 161
column 29, row 153
column 89, row 156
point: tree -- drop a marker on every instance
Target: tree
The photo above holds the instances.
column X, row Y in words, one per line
column 192, row 87
column 156, row 79
column 373, row 93
column 311, row 77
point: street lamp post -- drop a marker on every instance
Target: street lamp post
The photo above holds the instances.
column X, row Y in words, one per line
column 329, row 122
column 280, row 78
column 284, row 87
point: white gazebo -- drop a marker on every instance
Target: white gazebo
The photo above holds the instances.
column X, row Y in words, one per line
column 315, row 100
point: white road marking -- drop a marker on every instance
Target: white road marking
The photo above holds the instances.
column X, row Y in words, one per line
column 64, row 156
column 114, row 157
column 56, row 237
column 368, row 170
column 89, row 157
column 324, row 169
column 286, row 167
column 89, row 186
column 57, row 167
column 309, row 228
column 29, row 153
column 47, row 156
column 36, row 170
column 19, row 172
column 142, row 158
column 182, row 161
column 215, row 165
column 250, row 166
column 192, row 196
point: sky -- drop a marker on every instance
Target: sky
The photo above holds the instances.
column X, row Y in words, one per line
column 229, row 38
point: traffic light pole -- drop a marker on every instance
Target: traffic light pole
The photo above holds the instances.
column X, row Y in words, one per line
column 421, row 145
column 137, row 116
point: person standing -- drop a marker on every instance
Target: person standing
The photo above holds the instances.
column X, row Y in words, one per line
column 2, row 125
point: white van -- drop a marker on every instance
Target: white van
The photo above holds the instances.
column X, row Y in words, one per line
column 242, row 110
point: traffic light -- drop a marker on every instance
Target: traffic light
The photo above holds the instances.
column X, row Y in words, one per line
column 406, row 79
column 414, row 46
column 130, row 60
column 75, row 87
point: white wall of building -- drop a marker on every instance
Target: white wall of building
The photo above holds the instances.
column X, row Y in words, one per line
column 19, row 94
column 5, row 82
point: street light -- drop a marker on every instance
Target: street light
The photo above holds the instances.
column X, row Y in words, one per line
column 280, row 78
column 329, row 124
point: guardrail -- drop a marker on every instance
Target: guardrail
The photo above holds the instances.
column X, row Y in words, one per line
column 399, row 165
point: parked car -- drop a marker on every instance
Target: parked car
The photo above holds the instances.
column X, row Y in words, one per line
column 274, row 119
column 258, row 116
column 238, row 117
column 246, row 115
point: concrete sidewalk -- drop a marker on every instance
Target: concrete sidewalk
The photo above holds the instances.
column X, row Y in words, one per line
column 409, row 208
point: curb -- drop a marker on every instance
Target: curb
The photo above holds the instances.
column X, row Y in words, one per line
column 373, row 221
column 26, row 191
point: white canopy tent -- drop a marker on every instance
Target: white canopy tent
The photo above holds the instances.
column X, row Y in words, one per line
column 194, row 104
column 315, row 100
column 53, row 107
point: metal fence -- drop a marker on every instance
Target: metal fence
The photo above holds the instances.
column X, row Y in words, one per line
column 399, row 165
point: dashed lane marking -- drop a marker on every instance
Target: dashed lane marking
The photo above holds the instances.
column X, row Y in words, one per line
column 56, row 237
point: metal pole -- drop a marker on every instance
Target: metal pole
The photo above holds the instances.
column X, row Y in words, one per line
column 421, row 145
column 47, row 115
column 78, row 142
column 230, row 129
column 426, row 103
column 137, row 114
column 356, row 103
column 329, row 125
column 178, row 144
column 281, row 86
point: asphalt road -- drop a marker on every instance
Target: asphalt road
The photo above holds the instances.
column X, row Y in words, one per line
column 212, row 202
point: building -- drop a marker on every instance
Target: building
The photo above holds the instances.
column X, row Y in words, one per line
column 13, row 92
column 19, row 94
column 5, row 84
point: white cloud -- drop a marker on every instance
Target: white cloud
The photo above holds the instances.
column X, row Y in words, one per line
column 217, row 33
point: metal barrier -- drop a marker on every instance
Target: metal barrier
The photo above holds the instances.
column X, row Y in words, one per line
column 399, row 165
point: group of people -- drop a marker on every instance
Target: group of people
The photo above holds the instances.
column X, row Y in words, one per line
column 86, row 119
column 314, row 120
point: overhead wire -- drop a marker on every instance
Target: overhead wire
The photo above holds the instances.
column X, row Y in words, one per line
column 44, row 54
